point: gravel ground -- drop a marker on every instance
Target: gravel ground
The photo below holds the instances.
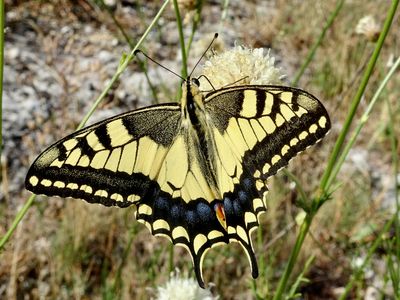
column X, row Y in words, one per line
column 58, row 61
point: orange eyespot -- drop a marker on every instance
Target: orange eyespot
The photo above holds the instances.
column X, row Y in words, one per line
column 219, row 211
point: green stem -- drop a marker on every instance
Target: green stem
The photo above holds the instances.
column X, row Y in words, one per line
column 299, row 187
column 322, row 197
column 395, row 159
column 224, row 14
column 131, row 46
column 196, row 21
column 171, row 258
column 357, row 97
column 293, row 256
column 314, row 48
column 355, row 277
column 361, row 124
column 118, row 276
column 181, row 40
column 16, row 221
column 120, row 69
column 364, row 119
column 1, row 78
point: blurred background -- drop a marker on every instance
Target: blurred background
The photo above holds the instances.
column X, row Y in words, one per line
column 59, row 55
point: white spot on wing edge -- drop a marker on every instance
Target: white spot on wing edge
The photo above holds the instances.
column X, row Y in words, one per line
column 161, row 224
column 33, row 180
column 293, row 142
column 59, row 184
column 86, row 188
column 198, row 242
column 214, row 234
column 275, row 159
column 133, row 198
column 144, row 209
column 285, row 149
column 72, row 186
column 101, row 193
column 46, row 182
column 322, row 121
column 178, row 232
column 313, row 128
column 249, row 217
column 116, row 197
column 303, row 135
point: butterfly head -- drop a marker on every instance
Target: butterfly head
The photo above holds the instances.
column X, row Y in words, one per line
column 192, row 99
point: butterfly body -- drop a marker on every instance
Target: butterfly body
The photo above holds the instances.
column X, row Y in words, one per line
column 196, row 171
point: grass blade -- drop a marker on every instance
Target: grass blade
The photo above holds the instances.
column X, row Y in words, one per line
column 321, row 37
column 357, row 98
column 317, row 202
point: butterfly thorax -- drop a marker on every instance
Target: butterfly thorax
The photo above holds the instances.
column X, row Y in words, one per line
column 196, row 128
column 192, row 103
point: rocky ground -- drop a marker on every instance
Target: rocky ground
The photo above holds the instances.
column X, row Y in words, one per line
column 59, row 55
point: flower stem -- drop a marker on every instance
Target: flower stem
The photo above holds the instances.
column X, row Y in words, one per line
column 355, row 276
column 293, row 256
column 181, row 39
column 1, row 77
column 357, row 97
column 317, row 202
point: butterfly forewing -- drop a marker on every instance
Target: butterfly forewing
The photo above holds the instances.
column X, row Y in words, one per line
column 265, row 126
column 110, row 162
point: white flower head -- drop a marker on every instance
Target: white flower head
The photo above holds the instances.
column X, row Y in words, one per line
column 241, row 65
column 182, row 288
column 368, row 27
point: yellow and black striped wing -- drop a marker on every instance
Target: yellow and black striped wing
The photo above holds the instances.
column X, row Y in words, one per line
column 257, row 130
column 111, row 162
column 183, row 185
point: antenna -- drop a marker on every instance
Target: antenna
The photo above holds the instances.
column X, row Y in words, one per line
column 204, row 53
column 202, row 75
column 169, row 70
column 157, row 63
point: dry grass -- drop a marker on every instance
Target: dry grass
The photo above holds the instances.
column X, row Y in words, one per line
column 67, row 249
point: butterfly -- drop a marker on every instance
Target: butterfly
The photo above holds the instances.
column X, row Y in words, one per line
column 196, row 171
